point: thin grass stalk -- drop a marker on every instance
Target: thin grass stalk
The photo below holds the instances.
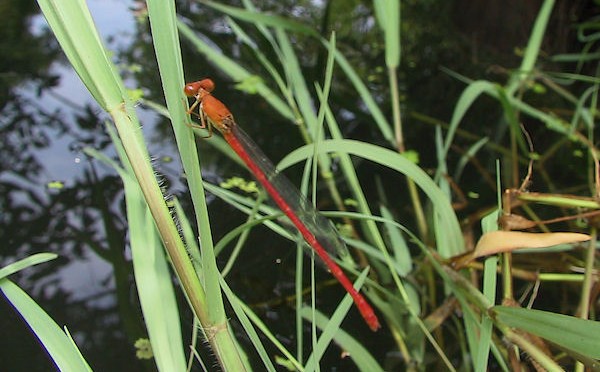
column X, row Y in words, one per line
column 215, row 323
column 351, row 177
column 400, row 164
column 75, row 31
column 388, row 16
column 151, row 268
column 412, row 188
column 539, row 357
column 586, row 286
column 533, row 48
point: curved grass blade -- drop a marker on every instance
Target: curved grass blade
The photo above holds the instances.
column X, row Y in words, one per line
column 579, row 335
column 447, row 219
column 19, row 265
column 61, row 348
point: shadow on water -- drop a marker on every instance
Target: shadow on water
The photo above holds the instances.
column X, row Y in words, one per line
column 54, row 199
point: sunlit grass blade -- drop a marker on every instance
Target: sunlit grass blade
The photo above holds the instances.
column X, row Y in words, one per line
column 188, row 235
column 152, row 276
column 533, row 47
column 82, row 43
column 166, row 43
column 361, row 357
column 264, row 60
column 74, row 28
column 246, row 205
column 466, row 100
column 401, row 252
column 249, row 314
column 442, row 168
column 298, row 84
column 468, row 155
column 382, row 123
column 579, row 335
column 489, row 223
column 331, row 327
column 388, row 16
column 234, row 71
column 371, row 251
column 240, row 312
column 19, row 265
column 480, row 362
column 87, row 54
column 452, row 244
column 156, row 291
column 63, row 352
column 262, row 27
column 576, row 57
column 212, row 314
column 448, row 220
column 263, row 19
column 351, row 178
column 332, row 332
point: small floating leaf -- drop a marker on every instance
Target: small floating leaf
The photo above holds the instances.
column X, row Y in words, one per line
column 55, row 185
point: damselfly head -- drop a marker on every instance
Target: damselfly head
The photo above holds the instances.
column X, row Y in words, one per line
column 194, row 88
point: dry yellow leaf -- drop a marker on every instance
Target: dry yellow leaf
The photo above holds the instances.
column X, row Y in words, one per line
column 507, row 241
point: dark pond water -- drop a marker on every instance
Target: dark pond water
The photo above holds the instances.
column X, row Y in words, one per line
column 55, row 199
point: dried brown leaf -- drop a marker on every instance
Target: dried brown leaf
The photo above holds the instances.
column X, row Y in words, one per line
column 507, row 241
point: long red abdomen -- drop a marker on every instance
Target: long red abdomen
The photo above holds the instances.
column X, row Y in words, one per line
column 363, row 306
column 245, row 148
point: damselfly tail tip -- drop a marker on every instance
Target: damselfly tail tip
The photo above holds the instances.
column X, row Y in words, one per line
column 372, row 321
